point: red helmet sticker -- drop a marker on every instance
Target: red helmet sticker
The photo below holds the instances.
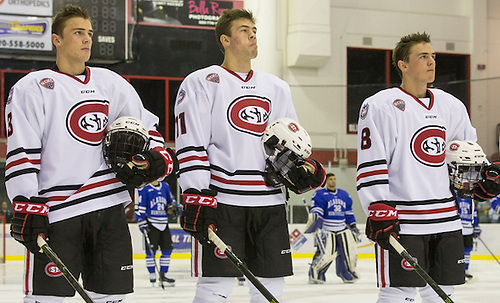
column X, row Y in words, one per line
column 87, row 121
column 249, row 114
column 428, row 145
column 293, row 127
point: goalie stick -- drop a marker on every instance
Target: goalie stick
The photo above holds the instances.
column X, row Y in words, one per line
column 488, row 249
column 64, row 270
column 148, row 245
column 420, row 271
column 241, row 267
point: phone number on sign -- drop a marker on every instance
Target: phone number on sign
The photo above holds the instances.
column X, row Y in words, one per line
column 22, row 44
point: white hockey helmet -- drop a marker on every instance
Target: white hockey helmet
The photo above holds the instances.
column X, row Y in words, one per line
column 465, row 160
column 286, row 134
column 124, row 138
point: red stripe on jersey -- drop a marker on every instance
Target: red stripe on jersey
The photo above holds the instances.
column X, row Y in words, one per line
column 154, row 133
column 372, row 173
column 84, row 188
column 193, row 158
column 196, row 256
column 382, row 266
column 427, row 211
column 238, row 182
column 27, row 274
column 22, row 161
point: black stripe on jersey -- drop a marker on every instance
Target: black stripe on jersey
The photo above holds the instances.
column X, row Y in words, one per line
column 22, row 172
column 24, row 150
column 159, row 141
column 424, row 202
column 372, row 183
column 190, row 148
column 192, row 168
column 430, row 221
column 247, row 192
column 237, row 172
column 372, row 163
column 60, row 188
column 89, row 197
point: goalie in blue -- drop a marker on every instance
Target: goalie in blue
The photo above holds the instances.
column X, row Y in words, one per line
column 332, row 221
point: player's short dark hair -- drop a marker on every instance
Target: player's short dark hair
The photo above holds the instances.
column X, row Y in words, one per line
column 329, row 175
column 223, row 26
column 65, row 13
column 402, row 49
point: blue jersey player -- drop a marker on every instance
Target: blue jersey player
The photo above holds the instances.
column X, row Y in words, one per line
column 332, row 218
column 470, row 229
column 155, row 203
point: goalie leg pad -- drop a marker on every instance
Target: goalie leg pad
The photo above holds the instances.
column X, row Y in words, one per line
column 321, row 262
column 346, row 260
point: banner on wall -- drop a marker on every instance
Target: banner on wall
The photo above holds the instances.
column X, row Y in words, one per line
column 181, row 13
column 26, row 7
column 25, row 33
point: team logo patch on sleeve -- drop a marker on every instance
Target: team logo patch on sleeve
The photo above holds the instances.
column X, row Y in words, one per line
column 180, row 96
column 47, row 83
column 364, row 111
column 249, row 114
column 213, row 77
column 399, row 104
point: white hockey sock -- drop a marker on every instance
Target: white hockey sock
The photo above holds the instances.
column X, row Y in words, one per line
column 104, row 298
column 213, row 289
column 274, row 285
column 428, row 294
column 42, row 299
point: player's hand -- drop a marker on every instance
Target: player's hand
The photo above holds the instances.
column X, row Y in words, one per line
column 382, row 222
column 143, row 226
column 355, row 232
column 147, row 166
column 476, row 232
column 199, row 213
column 30, row 220
column 489, row 186
column 302, row 178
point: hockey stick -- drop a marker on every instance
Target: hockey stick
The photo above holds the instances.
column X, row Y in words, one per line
column 148, row 245
column 402, row 251
column 492, row 254
column 64, row 270
column 241, row 267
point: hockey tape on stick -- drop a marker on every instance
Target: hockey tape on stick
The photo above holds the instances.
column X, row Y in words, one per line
column 148, row 245
column 241, row 267
column 402, row 251
column 488, row 250
column 64, row 270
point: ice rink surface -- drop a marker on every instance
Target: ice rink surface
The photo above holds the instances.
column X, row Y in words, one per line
column 486, row 288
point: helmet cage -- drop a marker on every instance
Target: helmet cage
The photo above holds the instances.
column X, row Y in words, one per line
column 463, row 177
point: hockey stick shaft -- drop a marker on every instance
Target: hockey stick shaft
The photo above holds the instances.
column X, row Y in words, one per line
column 64, row 270
column 241, row 267
column 148, row 245
column 420, row 271
column 492, row 254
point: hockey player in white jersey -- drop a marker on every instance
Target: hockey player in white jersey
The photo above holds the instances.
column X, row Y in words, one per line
column 402, row 176
column 221, row 114
column 56, row 175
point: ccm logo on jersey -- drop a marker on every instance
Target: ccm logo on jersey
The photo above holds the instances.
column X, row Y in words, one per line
column 30, row 208
column 200, row 200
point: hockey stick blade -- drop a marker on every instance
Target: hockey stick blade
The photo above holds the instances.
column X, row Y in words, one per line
column 64, row 270
column 492, row 254
column 148, row 245
column 420, row 271
column 241, row 267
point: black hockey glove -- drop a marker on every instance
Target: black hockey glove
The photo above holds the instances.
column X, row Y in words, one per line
column 489, row 186
column 199, row 213
column 30, row 219
column 302, row 178
column 147, row 166
column 382, row 222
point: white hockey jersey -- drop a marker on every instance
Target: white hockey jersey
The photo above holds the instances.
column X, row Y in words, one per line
column 220, row 119
column 401, row 156
column 55, row 125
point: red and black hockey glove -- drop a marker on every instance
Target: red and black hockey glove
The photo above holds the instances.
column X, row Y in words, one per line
column 199, row 213
column 302, row 178
column 382, row 222
column 489, row 186
column 30, row 220
column 147, row 166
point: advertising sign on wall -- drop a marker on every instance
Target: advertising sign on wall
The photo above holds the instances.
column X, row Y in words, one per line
column 25, row 33
column 26, row 7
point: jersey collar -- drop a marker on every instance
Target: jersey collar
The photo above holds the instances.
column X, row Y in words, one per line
column 86, row 73
column 428, row 94
column 249, row 76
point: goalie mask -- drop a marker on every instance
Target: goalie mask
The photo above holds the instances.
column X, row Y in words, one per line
column 465, row 160
column 285, row 144
column 125, row 137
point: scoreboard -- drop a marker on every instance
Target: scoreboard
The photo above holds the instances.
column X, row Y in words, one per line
column 25, row 29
